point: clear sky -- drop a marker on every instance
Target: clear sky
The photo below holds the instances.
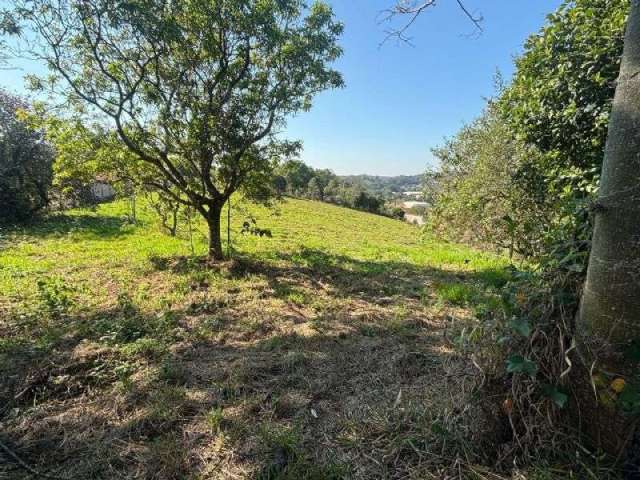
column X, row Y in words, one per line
column 400, row 101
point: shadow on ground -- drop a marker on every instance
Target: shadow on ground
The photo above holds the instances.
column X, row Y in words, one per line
column 85, row 225
column 332, row 367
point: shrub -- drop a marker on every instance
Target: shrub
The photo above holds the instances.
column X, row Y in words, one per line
column 25, row 163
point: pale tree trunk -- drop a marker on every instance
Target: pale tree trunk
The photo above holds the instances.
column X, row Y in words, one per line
column 609, row 317
column 215, row 241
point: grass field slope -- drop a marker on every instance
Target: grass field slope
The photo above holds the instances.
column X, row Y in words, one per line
column 326, row 351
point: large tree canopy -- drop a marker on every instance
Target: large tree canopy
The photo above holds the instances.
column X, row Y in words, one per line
column 195, row 88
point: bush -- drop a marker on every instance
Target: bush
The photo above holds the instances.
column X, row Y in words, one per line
column 487, row 192
column 524, row 177
column 26, row 164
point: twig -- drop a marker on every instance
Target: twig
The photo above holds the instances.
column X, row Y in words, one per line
column 26, row 466
column 413, row 10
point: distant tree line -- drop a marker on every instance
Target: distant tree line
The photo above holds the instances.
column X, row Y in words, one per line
column 386, row 187
column 296, row 179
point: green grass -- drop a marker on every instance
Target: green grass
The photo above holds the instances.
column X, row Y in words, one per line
column 456, row 293
column 285, row 362
column 85, row 247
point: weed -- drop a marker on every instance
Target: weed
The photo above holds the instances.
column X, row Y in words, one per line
column 117, row 329
column 145, row 347
column 167, row 458
column 166, row 404
column 456, row 293
column 214, row 419
column 54, row 295
column 288, row 460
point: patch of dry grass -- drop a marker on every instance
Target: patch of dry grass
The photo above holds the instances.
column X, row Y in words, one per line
column 323, row 353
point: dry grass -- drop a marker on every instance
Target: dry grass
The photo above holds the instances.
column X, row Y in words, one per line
column 324, row 353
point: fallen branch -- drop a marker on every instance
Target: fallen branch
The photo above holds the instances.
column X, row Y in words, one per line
column 25, row 465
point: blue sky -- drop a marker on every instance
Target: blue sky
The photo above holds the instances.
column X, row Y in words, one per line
column 400, row 101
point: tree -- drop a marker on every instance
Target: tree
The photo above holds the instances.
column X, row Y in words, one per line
column 366, row 202
column 314, row 191
column 609, row 318
column 280, row 184
column 25, row 163
column 488, row 189
column 194, row 89
column 8, row 26
column 86, row 153
column 323, row 177
column 332, row 191
column 561, row 95
column 80, row 153
column 297, row 175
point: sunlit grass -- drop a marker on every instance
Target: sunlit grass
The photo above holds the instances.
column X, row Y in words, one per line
column 96, row 248
column 270, row 349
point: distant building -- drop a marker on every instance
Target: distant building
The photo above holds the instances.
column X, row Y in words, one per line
column 102, row 192
column 416, row 195
column 409, row 205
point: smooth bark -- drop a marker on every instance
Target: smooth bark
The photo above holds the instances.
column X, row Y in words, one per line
column 609, row 317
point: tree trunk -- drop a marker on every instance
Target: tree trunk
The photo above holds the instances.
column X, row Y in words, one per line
column 609, row 317
column 215, row 241
column 229, row 227
column 174, row 221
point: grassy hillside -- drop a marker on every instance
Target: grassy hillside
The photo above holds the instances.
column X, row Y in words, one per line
column 322, row 352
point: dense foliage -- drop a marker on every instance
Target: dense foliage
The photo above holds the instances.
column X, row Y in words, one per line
column 560, row 100
column 481, row 193
column 561, row 95
column 524, row 177
column 526, row 172
column 83, row 154
column 25, row 163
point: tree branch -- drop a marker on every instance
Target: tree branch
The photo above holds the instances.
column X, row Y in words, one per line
column 413, row 9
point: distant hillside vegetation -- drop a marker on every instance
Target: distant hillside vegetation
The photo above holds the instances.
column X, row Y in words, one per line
column 386, row 186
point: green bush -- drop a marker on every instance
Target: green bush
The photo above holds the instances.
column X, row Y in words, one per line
column 523, row 178
column 25, row 164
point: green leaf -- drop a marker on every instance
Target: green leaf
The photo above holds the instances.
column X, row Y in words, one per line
column 521, row 325
column 556, row 395
column 519, row 364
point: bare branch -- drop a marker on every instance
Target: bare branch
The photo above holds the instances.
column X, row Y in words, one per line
column 412, row 9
